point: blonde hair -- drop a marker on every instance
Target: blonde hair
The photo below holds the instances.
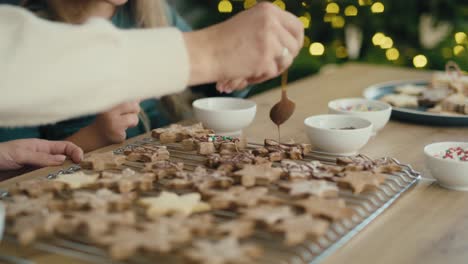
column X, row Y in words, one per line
column 147, row 13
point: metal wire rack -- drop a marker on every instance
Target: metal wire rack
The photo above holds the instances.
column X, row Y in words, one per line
column 366, row 206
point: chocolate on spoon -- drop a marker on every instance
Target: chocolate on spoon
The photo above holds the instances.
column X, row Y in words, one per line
column 284, row 109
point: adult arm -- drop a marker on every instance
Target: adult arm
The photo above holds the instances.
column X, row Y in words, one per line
column 53, row 71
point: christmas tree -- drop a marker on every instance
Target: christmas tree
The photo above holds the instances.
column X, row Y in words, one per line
column 419, row 33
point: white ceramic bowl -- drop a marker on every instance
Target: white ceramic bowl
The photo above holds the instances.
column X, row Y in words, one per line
column 379, row 116
column 226, row 116
column 450, row 174
column 326, row 133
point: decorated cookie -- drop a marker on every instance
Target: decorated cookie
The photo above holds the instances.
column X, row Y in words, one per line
column 147, row 153
column 237, row 196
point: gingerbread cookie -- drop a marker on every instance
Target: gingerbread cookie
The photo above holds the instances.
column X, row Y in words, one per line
column 147, row 153
column 161, row 236
column 23, row 205
column 36, row 187
column 359, row 181
column 261, row 174
column 94, row 222
column 164, row 168
column 103, row 199
column 102, row 161
column 297, row 229
column 318, row 188
column 78, row 179
column 237, row 196
column 276, row 151
column 127, row 180
column 401, row 100
column 233, row 161
column 211, row 143
column 199, row 179
column 333, row 209
column 176, row 133
column 241, row 228
column 171, row 203
column 28, row 228
column 225, row 251
column 268, row 214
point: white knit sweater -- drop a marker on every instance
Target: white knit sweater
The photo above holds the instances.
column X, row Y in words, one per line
column 53, row 71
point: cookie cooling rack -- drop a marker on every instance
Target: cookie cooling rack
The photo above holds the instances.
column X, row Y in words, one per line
column 366, row 206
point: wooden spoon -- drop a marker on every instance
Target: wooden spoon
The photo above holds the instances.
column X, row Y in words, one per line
column 284, row 109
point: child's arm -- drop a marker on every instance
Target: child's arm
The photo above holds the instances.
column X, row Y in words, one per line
column 108, row 128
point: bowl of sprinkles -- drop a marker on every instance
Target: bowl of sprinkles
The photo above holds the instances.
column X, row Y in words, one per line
column 377, row 112
column 448, row 164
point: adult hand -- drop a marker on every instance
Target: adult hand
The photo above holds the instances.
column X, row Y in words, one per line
column 37, row 152
column 253, row 46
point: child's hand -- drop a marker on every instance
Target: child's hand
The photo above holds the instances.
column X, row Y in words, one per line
column 37, row 152
column 111, row 126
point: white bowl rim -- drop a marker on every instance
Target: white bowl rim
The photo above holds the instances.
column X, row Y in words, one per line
column 250, row 104
column 427, row 147
column 385, row 106
column 368, row 126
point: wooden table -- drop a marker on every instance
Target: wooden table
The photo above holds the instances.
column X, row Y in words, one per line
column 427, row 225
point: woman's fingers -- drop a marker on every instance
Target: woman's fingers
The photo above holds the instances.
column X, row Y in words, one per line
column 127, row 108
column 129, row 120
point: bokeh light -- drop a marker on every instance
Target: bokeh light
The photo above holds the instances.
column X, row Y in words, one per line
column 377, row 7
column 458, row 50
column 337, row 22
column 387, row 43
column 332, row 8
column 225, row 6
column 419, row 61
column 460, row 37
column 316, row 49
column 392, row 54
column 351, row 11
column 249, row 3
column 280, row 4
column 378, row 39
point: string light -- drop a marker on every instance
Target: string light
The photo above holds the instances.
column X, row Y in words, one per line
column 337, row 22
column 351, row 11
column 332, row 8
column 392, row 54
column 365, row 2
column 377, row 7
column 419, row 61
column 387, row 43
column 306, row 41
column 305, row 21
column 460, row 37
column 378, row 39
column 341, row 52
column 225, row 6
column 458, row 49
column 280, row 4
column 316, row 49
column 249, row 3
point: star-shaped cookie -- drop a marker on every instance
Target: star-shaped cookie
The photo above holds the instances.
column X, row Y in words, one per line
column 78, row 179
column 297, row 229
column 359, row 181
column 260, row 174
column 36, row 187
column 333, row 209
column 102, row 161
column 172, row 203
column 225, row 251
column 127, row 180
column 320, row 188
column 237, row 196
column 268, row 214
